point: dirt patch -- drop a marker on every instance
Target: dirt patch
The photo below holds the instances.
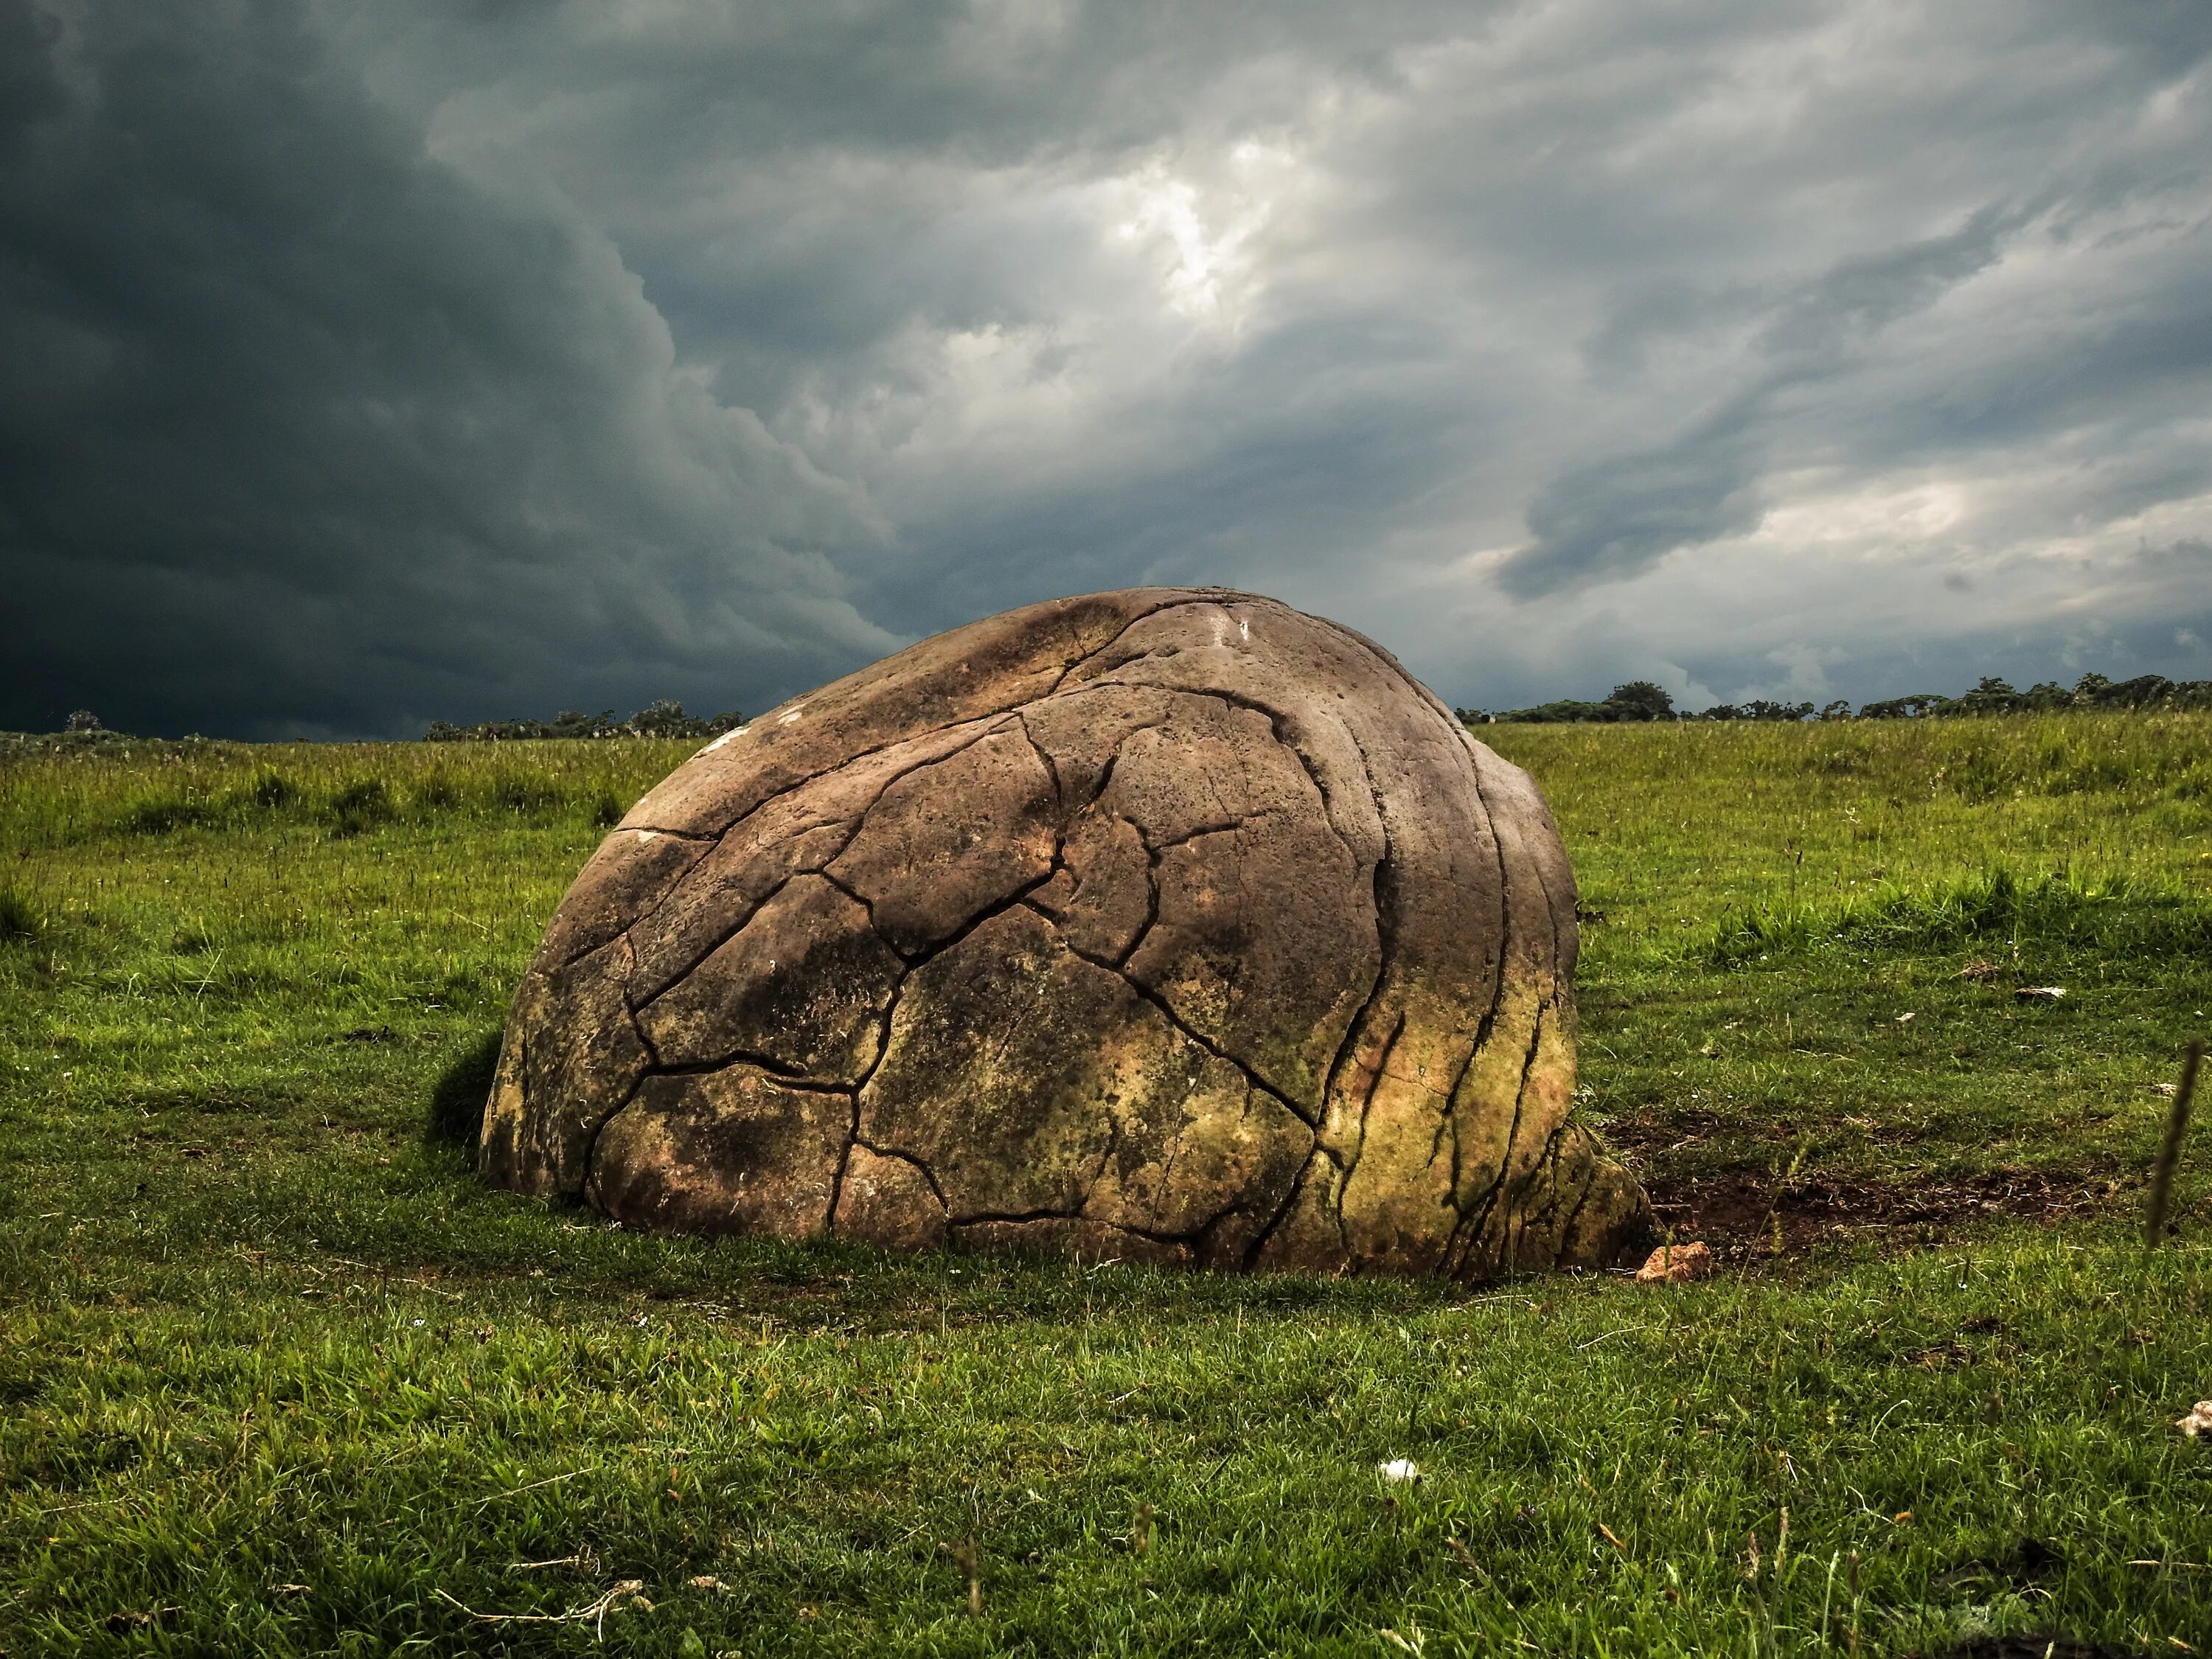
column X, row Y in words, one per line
column 2035, row 1644
column 1745, row 1217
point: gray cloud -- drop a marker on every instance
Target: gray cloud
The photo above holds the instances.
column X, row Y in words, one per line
column 1614, row 516
column 368, row 365
column 1610, row 517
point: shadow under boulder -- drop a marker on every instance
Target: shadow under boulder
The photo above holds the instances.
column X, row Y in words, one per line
column 457, row 1100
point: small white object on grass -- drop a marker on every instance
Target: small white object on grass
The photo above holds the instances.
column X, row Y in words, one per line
column 2199, row 1420
column 1399, row 1470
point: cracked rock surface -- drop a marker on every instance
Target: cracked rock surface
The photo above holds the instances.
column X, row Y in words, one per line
column 1167, row 924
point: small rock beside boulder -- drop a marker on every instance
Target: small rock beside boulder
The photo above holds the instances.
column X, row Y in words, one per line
column 1672, row 1264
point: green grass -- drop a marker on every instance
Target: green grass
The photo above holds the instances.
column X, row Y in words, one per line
column 277, row 1377
column 1776, row 898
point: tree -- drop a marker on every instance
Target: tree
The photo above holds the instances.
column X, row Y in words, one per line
column 1640, row 700
column 664, row 718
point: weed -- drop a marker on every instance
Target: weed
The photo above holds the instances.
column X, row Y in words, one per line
column 361, row 805
column 523, row 795
column 2120, row 916
column 159, row 815
column 272, row 791
column 21, row 921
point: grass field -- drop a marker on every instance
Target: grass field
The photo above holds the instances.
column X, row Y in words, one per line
column 277, row 1377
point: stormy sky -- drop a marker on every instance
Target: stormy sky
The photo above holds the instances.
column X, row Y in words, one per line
column 364, row 366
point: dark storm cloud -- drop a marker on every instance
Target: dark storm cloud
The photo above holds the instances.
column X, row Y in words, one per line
column 301, row 426
column 368, row 365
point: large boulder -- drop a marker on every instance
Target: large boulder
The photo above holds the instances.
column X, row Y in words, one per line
column 1170, row 924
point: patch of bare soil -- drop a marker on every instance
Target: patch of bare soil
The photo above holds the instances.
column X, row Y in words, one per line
column 2032, row 1646
column 1747, row 1216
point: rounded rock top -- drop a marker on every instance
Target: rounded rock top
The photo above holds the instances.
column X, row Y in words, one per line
column 1168, row 924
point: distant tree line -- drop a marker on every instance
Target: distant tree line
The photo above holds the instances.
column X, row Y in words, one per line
column 663, row 719
column 1640, row 700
